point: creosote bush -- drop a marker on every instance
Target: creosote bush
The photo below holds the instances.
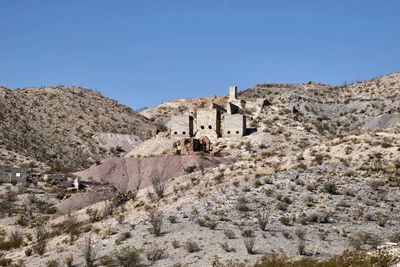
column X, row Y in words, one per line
column 123, row 197
column 126, row 257
column 155, row 218
column 191, row 246
column 156, row 253
column 159, row 184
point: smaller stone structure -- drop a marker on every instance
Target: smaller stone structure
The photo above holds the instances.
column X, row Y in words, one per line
column 12, row 175
column 54, row 177
column 188, row 146
column 234, row 125
column 181, row 126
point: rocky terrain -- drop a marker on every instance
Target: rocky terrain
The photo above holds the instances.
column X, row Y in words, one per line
column 65, row 128
column 317, row 180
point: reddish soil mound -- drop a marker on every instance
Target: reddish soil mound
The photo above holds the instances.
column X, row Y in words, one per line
column 130, row 173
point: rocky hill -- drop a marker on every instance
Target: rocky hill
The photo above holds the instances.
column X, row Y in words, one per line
column 66, row 128
column 318, row 176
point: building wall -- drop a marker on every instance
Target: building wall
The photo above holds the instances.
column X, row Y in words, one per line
column 181, row 126
column 234, row 125
column 12, row 175
column 208, row 123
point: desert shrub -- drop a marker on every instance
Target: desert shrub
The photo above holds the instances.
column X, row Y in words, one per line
column 281, row 206
column 262, row 220
column 155, row 253
column 175, row 243
column 248, row 233
column 330, row 188
column 126, row 257
column 375, row 184
column 40, row 247
column 241, row 205
column 121, row 198
column 249, row 243
column 225, row 246
column 300, row 233
column 22, row 220
column 191, row 246
column 207, row 222
column 14, row 241
column 52, row 263
column 28, row 252
column 365, row 238
column 69, row 261
column 285, row 220
column 94, row 215
column 159, row 184
column 301, row 247
column 347, row 258
column 122, row 237
column 89, row 252
column 230, row 234
column 155, row 218
column 70, row 225
column 172, row 219
column 190, row 169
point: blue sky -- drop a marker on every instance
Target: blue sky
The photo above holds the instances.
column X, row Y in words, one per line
column 146, row 52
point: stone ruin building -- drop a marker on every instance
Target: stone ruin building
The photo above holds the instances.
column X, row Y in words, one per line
column 12, row 175
column 213, row 122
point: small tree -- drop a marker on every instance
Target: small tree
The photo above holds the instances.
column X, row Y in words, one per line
column 159, row 185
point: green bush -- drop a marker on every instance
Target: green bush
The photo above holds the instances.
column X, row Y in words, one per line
column 348, row 258
column 127, row 257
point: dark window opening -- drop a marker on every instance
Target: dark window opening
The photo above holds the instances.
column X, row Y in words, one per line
column 202, row 127
column 183, row 132
column 209, row 127
column 229, row 132
column 237, row 132
column 175, row 132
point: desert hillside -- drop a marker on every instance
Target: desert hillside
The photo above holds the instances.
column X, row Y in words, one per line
column 65, row 128
column 314, row 182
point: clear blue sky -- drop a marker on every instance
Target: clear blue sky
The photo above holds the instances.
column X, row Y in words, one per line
column 145, row 52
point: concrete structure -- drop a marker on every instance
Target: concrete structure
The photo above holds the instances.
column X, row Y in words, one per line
column 181, row 126
column 234, row 125
column 232, row 93
column 12, row 175
column 208, row 123
column 213, row 122
column 232, row 108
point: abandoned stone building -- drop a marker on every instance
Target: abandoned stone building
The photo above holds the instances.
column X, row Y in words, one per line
column 182, row 126
column 235, row 125
column 12, row 175
column 213, row 122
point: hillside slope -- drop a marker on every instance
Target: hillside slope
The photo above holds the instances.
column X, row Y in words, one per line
column 57, row 125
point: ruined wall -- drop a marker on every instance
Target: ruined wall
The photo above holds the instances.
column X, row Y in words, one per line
column 181, row 126
column 234, row 125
